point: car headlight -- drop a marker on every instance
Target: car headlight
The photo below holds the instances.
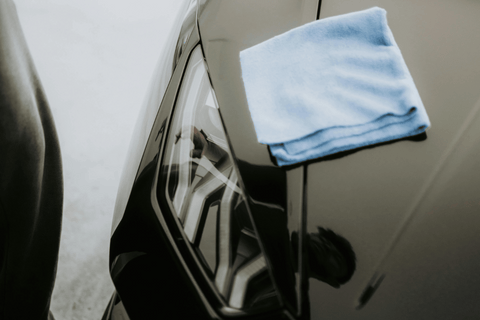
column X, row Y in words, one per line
column 203, row 193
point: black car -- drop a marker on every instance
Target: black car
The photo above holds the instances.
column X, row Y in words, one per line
column 207, row 226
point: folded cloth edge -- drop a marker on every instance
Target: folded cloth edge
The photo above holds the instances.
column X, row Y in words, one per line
column 416, row 125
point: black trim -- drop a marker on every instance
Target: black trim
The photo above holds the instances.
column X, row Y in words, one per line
column 318, row 9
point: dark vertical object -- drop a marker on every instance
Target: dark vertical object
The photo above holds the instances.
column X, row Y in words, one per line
column 318, row 10
column 31, row 183
column 305, row 308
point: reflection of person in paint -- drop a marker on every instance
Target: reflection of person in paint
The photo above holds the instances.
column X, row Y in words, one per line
column 331, row 258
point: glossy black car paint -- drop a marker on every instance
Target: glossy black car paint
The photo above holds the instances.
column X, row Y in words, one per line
column 410, row 209
column 144, row 258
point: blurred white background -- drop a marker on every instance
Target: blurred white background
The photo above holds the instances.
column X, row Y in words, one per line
column 95, row 59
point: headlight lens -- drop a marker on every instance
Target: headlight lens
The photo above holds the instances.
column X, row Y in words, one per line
column 202, row 190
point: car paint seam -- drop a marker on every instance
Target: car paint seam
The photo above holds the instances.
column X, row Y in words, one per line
column 319, row 9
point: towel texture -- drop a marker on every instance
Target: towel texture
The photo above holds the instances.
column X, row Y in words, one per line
column 331, row 85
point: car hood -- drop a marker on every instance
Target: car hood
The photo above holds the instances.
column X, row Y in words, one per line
column 410, row 209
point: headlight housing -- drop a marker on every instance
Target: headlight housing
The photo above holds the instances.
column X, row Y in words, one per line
column 202, row 192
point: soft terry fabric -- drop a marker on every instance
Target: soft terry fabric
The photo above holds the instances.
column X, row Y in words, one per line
column 331, row 85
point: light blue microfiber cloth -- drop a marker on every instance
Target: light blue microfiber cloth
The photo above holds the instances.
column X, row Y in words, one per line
column 332, row 85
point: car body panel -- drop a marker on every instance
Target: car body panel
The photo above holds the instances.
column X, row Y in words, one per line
column 147, row 258
column 379, row 198
column 411, row 209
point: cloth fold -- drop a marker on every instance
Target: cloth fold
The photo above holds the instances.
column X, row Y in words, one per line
column 332, row 85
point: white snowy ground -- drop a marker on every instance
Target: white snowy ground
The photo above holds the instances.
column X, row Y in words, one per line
column 95, row 59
